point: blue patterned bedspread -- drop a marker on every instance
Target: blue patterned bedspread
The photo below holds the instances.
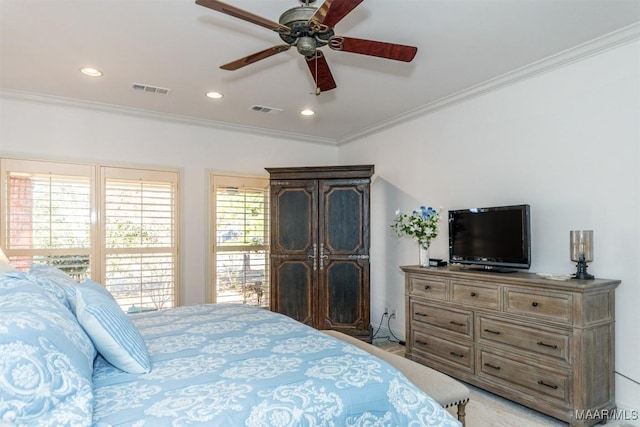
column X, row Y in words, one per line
column 236, row 365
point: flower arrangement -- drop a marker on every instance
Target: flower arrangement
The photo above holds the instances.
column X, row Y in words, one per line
column 421, row 224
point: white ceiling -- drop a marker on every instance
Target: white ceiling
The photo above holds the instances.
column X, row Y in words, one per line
column 463, row 46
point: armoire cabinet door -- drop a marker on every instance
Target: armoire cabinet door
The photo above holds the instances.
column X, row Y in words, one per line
column 294, row 207
column 320, row 246
column 343, row 237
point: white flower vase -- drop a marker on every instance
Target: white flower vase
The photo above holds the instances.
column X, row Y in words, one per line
column 424, row 254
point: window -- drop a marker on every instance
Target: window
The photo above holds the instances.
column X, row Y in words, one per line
column 140, row 250
column 241, row 240
column 51, row 212
column 48, row 209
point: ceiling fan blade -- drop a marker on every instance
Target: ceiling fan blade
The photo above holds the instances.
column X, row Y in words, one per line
column 397, row 52
column 250, row 59
column 244, row 15
column 320, row 72
column 332, row 11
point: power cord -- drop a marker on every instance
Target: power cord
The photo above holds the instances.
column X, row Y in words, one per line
column 398, row 340
column 375, row 334
column 629, row 378
column 379, row 326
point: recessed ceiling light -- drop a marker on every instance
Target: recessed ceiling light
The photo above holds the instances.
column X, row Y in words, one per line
column 307, row 112
column 214, row 95
column 91, row 72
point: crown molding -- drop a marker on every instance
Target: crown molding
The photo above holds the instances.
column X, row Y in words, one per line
column 583, row 51
column 165, row 117
column 578, row 53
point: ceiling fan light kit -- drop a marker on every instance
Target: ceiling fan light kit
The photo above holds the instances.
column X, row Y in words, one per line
column 309, row 29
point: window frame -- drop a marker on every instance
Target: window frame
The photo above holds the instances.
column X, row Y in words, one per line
column 131, row 175
column 96, row 173
column 222, row 179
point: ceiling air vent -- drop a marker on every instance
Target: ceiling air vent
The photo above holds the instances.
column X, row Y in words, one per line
column 150, row 89
column 264, row 109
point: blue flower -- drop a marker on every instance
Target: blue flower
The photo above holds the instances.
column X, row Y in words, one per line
column 421, row 224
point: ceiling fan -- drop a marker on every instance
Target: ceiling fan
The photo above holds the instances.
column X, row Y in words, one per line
column 309, row 28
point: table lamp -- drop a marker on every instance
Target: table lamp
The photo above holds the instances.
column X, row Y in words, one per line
column 581, row 252
column 3, row 257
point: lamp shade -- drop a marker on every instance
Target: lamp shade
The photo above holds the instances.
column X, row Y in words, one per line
column 5, row 265
column 581, row 245
column 3, row 257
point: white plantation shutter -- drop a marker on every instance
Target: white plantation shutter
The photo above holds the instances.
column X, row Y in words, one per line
column 49, row 214
column 140, row 234
column 241, row 240
column 48, row 208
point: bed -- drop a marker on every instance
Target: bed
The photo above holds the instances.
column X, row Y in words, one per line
column 70, row 356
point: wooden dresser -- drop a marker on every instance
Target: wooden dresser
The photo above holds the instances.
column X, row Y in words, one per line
column 546, row 344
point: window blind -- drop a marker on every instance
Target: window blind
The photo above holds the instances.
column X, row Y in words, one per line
column 140, row 233
column 49, row 210
column 241, row 240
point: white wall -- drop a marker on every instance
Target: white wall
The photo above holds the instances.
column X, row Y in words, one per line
column 47, row 131
column 566, row 142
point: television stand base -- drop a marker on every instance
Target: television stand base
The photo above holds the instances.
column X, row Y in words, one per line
column 491, row 269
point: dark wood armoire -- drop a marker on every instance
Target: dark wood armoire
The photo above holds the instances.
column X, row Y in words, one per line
column 320, row 246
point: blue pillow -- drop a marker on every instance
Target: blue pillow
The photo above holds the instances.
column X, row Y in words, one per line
column 115, row 336
column 46, row 359
column 53, row 280
column 72, row 291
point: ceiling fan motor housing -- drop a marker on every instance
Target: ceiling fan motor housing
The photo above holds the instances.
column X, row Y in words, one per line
column 306, row 39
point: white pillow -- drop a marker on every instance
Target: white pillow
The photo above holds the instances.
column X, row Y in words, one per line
column 114, row 335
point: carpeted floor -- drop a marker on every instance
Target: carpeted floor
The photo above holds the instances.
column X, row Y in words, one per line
column 488, row 410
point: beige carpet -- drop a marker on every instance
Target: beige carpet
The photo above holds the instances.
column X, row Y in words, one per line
column 488, row 410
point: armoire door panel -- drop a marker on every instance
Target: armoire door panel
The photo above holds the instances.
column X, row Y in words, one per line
column 343, row 214
column 294, row 297
column 344, row 217
column 295, row 213
column 343, row 293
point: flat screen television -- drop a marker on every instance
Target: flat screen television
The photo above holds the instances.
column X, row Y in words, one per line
column 495, row 239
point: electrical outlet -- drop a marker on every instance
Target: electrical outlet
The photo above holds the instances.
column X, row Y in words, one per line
column 386, row 311
column 393, row 313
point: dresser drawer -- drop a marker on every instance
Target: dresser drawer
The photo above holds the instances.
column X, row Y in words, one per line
column 549, row 306
column 431, row 287
column 475, row 294
column 458, row 321
column 548, row 343
column 456, row 354
column 530, row 378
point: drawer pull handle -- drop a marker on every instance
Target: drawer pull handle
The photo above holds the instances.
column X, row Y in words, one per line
column 547, row 345
column 534, row 304
column 473, row 294
column 494, row 332
column 453, row 353
column 427, row 287
column 555, row 387
column 421, row 314
column 497, row 368
column 456, row 323
column 421, row 342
